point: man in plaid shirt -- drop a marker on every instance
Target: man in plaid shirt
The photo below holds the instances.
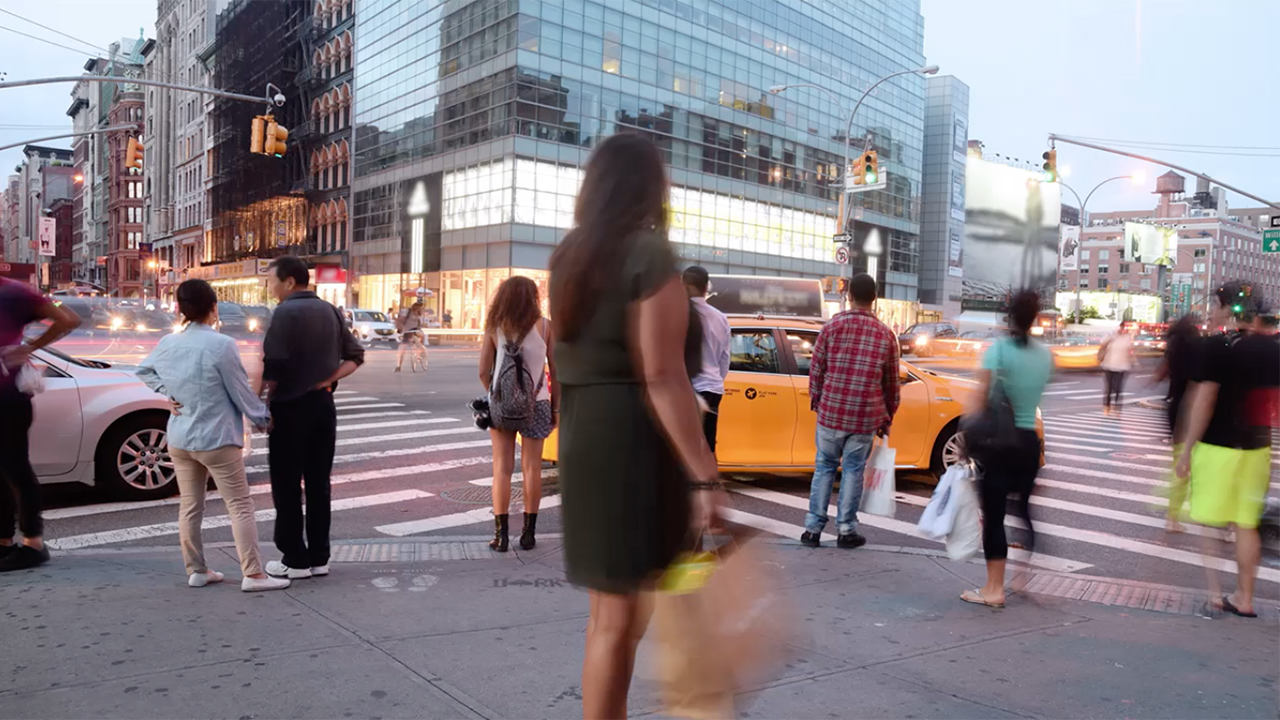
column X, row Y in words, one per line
column 853, row 386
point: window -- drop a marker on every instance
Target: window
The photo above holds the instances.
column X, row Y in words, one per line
column 754, row 351
column 1084, row 283
column 1084, row 269
column 1103, row 269
column 1102, row 283
column 1200, row 252
column 1124, row 268
column 1198, row 267
column 1084, row 254
column 1145, row 283
column 802, row 344
column 1104, row 254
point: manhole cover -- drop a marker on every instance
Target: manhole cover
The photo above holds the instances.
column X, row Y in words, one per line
column 477, row 494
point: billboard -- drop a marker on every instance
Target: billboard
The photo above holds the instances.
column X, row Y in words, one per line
column 771, row 296
column 1068, row 247
column 47, row 234
column 1010, row 235
column 1151, row 244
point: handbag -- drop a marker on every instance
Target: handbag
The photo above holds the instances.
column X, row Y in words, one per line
column 878, row 480
column 939, row 515
column 29, row 381
column 965, row 539
column 992, row 431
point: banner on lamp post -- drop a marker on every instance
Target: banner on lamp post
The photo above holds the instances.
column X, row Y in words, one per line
column 46, row 237
column 1068, row 247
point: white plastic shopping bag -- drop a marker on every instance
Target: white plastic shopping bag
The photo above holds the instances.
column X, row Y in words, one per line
column 965, row 538
column 248, row 438
column 940, row 514
column 878, row 480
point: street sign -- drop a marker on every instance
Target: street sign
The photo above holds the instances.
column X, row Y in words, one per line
column 1271, row 240
column 842, row 255
column 842, row 239
column 46, row 234
column 1275, row 221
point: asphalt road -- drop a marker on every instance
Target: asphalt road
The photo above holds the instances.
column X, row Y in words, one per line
column 409, row 462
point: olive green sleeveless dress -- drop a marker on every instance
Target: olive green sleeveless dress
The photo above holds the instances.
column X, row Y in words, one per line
column 625, row 500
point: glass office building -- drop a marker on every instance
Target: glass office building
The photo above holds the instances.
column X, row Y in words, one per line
column 474, row 119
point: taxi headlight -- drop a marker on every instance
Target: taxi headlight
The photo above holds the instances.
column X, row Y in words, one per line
column 116, row 323
column 922, row 341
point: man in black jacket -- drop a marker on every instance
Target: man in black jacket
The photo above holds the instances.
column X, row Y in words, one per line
column 306, row 351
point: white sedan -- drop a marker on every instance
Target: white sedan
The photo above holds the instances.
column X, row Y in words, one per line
column 97, row 424
column 371, row 326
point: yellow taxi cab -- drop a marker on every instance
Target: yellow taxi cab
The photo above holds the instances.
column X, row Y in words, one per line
column 1075, row 353
column 765, row 421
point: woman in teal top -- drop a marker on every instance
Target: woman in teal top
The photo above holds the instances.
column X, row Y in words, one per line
column 1022, row 366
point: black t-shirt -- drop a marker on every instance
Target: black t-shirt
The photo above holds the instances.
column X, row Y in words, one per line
column 1180, row 358
column 1239, row 365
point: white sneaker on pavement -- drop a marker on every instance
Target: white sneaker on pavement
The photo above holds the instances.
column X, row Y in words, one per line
column 208, row 577
column 320, row 570
column 251, row 584
column 275, row 568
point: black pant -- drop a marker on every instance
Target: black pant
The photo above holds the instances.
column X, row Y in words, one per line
column 19, row 488
column 1115, row 387
column 301, row 447
column 1004, row 475
column 711, row 419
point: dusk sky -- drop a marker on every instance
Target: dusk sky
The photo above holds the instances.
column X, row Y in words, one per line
column 1183, row 72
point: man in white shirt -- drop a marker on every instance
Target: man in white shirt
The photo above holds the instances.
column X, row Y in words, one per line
column 709, row 381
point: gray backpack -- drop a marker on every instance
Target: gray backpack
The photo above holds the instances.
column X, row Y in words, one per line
column 514, row 391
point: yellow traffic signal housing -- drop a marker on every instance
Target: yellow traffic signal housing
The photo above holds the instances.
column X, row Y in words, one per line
column 257, row 131
column 133, row 156
column 276, row 142
column 870, row 168
column 1050, row 166
column 858, row 171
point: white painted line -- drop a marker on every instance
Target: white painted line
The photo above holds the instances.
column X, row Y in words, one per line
column 385, row 413
column 219, row 521
column 358, row 457
column 1063, row 384
column 769, row 525
column 1062, row 392
column 1068, row 446
column 1141, row 430
column 1052, row 434
column 902, row 528
column 103, row 508
column 444, row 522
column 340, row 401
column 1082, row 428
column 344, row 392
column 1094, row 396
column 370, row 406
column 391, row 438
column 379, row 426
column 1131, row 479
column 1149, row 499
column 516, row 478
column 1104, row 461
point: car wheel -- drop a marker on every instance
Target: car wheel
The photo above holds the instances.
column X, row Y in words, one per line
column 133, row 460
column 948, row 450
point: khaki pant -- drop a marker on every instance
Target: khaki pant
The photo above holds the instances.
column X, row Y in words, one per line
column 226, row 465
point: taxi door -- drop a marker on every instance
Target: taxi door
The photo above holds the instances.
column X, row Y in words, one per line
column 910, row 425
column 758, row 412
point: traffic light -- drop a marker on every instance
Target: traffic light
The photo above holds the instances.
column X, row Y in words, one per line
column 858, row 170
column 257, row 131
column 133, row 156
column 1050, row 165
column 870, row 168
column 276, row 139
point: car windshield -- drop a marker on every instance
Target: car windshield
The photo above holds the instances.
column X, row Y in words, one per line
column 920, row 328
column 65, row 357
column 364, row 316
column 229, row 309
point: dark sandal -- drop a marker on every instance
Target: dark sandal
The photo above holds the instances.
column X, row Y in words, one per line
column 977, row 599
column 1226, row 605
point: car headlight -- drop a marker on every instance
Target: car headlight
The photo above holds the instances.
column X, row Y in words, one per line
column 142, row 327
column 922, row 341
column 116, row 323
column 253, row 325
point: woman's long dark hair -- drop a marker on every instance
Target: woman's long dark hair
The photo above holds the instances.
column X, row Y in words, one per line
column 1024, row 306
column 624, row 191
column 514, row 308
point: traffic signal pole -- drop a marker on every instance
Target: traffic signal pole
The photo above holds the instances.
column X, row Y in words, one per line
column 278, row 99
column 1179, row 168
column 99, row 131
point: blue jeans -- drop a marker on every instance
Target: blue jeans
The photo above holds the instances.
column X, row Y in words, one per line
column 837, row 449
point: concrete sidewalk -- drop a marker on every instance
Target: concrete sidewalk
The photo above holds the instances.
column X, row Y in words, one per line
column 442, row 628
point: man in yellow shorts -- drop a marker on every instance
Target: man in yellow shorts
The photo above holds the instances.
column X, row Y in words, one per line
column 1226, row 453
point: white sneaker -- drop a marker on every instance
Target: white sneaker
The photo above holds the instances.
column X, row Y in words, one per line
column 275, row 568
column 207, row 577
column 320, row 570
column 250, row 584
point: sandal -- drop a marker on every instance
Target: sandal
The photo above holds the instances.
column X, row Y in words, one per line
column 975, row 596
column 1229, row 607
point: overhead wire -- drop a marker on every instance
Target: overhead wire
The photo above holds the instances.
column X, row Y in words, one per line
column 52, row 30
column 1172, row 144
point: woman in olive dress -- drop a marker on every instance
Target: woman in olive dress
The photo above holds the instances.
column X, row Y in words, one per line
column 635, row 469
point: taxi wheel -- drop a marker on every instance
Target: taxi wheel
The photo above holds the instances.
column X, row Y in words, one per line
column 948, row 449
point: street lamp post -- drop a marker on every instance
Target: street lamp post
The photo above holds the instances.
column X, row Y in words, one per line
column 1083, row 204
column 848, row 144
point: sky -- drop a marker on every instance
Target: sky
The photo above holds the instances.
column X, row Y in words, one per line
column 1155, row 71
column 1186, row 72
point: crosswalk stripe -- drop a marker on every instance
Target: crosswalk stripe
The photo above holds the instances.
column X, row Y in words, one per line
column 444, row 522
column 1150, row 499
column 1094, row 396
column 379, row 426
column 345, row 392
column 1105, row 461
column 385, row 413
column 1062, row 392
column 370, row 406
column 1083, row 432
column 1118, row 542
column 898, row 526
column 1131, row 479
column 1128, row 420
column 1051, row 435
column 516, row 478
column 218, row 521
column 357, row 457
column 1064, row 383
column 343, row 442
column 1051, row 443
column 1101, row 427
column 340, row 401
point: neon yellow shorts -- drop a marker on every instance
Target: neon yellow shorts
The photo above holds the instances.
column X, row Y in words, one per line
column 1229, row 486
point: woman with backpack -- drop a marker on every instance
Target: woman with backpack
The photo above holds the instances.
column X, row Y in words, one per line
column 517, row 371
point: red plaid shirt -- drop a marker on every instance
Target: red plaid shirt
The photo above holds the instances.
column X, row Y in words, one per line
column 853, row 376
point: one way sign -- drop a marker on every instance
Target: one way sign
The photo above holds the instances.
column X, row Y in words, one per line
column 1271, row 240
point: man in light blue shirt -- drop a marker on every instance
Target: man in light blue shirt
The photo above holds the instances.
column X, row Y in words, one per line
column 709, row 381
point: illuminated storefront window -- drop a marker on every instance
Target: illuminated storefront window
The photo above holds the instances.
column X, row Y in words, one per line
column 466, row 294
column 544, row 194
column 897, row 314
